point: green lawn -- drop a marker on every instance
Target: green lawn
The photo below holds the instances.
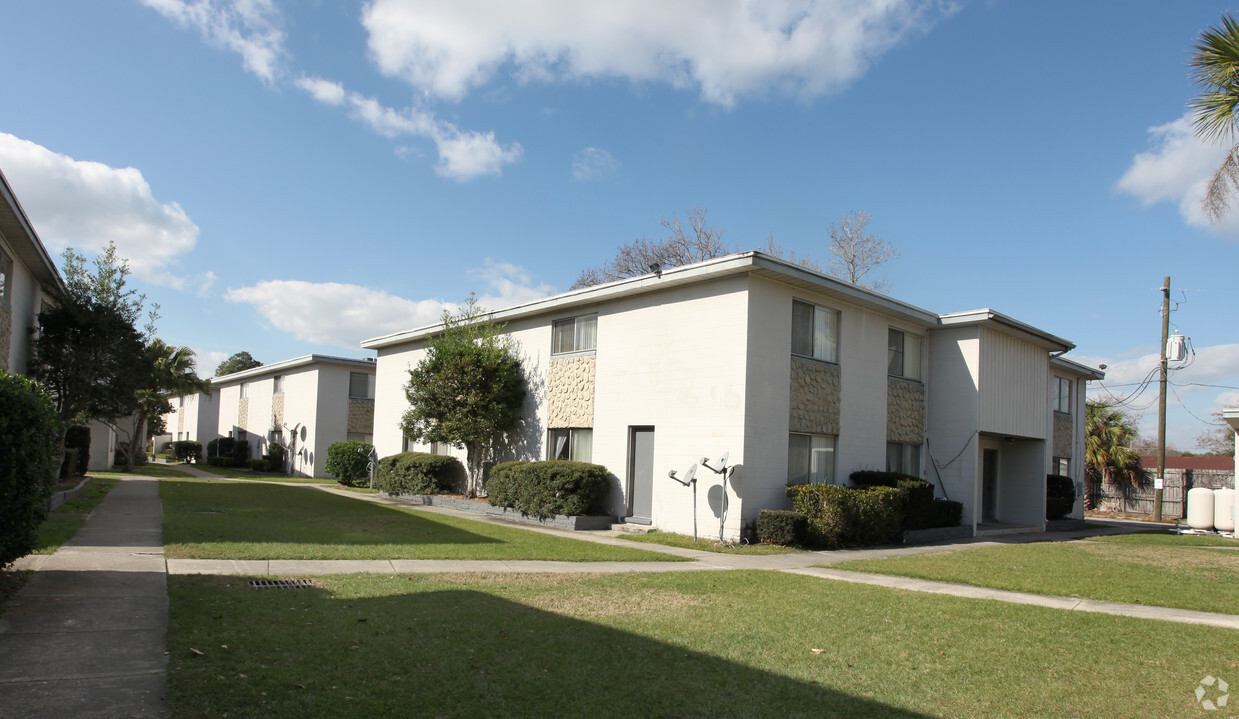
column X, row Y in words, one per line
column 1136, row 569
column 146, row 470
column 1164, row 538
column 705, row 544
column 61, row 525
column 237, row 473
column 698, row 644
column 214, row 519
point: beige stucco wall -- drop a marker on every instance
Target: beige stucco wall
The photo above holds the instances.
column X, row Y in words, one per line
column 361, row 416
column 1063, row 426
column 570, row 392
column 905, row 412
column 814, row 398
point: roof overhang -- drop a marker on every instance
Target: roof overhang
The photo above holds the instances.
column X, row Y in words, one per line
column 285, row 365
column 1231, row 415
column 1091, row 373
column 28, row 248
column 996, row 320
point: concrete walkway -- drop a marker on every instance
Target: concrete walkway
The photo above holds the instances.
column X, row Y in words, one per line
column 85, row 636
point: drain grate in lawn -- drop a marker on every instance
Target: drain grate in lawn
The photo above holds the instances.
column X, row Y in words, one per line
column 282, row 583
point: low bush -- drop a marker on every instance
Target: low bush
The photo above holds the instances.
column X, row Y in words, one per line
column 543, row 489
column 945, row 513
column 68, row 468
column 186, row 450
column 78, row 437
column 240, row 451
column 776, row 526
column 348, row 463
column 30, row 442
column 1060, row 496
column 221, row 461
column 277, row 453
column 419, row 473
column 259, row 465
column 875, row 478
column 212, row 448
column 849, row 517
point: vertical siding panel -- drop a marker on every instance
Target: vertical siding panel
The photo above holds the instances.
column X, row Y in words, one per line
column 1014, row 377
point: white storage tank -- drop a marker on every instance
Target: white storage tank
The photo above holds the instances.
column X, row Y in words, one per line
column 1200, row 508
column 1224, row 510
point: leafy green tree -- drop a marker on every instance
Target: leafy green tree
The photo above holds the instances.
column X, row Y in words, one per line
column 88, row 354
column 467, row 389
column 239, row 362
column 171, row 373
column 31, row 437
column 1215, row 67
column 1108, row 456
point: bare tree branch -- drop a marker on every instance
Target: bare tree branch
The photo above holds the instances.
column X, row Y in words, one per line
column 683, row 246
column 856, row 251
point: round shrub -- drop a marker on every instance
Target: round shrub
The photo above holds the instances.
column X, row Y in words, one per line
column 30, row 437
column 847, row 517
column 419, row 473
column 543, row 489
column 186, row 450
column 776, row 526
column 1060, row 496
column 78, row 437
column 347, row 462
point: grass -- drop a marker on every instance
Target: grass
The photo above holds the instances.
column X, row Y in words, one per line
column 146, row 470
column 1163, row 538
column 695, row 644
column 61, row 525
column 213, row 519
column 236, row 473
column 671, row 539
column 1143, row 569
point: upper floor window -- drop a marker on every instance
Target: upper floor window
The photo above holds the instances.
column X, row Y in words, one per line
column 903, row 354
column 1062, row 395
column 810, row 459
column 6, row 278
column 360, row 385
column 576, row 334
column 575, row 444
column 277, row 384
column 245, row 390
column 815, row 332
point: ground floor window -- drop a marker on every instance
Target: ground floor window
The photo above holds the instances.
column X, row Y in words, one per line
column 904, row 458
column 359, row 437
column 1061, row 465
column 442, row 448
column 810, row 459
column 575, row 444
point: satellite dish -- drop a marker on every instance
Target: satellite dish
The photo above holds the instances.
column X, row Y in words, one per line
column 689, row 477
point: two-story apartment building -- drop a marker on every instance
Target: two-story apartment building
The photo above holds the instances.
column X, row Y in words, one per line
column 194, row 417
column 799, row 377
column 306, row 404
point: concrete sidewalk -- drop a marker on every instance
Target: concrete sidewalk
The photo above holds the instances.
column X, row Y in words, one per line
column 86, row 636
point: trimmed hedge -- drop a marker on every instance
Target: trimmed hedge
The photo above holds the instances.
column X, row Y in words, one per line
column 419, row 473
column 849, row 517
column 30, row 444
column 186, row 450
column 777, row 526
column 1060, row 496
column 921, row 510
column 78, row 438
column 221, row 461
column 543, row 489
column 69, row 465
column 346, row 461
column 240, row 451
column 875, row 478
column 260, row 465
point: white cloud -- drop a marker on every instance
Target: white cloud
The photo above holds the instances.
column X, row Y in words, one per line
column 86, row 204
column 593, row 163
column 463, row 155
column 724, row 49
column 342, row 315
column 1178, row 170
column 206, row 283
column 205, row 361
column 1212, row 365
column 250, row 28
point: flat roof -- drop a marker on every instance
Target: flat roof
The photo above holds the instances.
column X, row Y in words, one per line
column 751, row 262
column 283, row 365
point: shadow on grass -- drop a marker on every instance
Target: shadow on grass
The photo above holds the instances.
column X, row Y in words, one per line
column 207, row 511
column 456, row 653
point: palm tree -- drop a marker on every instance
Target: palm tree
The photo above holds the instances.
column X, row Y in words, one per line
column 1108, row 455
column 1215, row 66
column 171, row 374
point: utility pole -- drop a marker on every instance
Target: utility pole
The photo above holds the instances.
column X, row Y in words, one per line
column 1161, row 408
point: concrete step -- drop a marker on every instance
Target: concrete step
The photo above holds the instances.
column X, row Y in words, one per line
column 631, row 528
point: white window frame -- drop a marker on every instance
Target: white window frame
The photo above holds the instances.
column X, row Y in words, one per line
column 277, row 385
column 245, row 390
column 574, row 443
column 1062, row 400
column 818, row 465
column 906, row 456
column 584, row 334
column 898, row 349
column 359, row 437
column 823, row 332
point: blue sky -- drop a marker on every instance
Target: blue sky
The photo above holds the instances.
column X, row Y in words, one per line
column 293, row 177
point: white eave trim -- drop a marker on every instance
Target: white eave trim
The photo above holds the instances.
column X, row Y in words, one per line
column 1091, row 373
column 987, row 316
column 283, row 365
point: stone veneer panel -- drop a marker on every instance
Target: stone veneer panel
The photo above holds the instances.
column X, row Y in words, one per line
column 570, row 392
column 814, row 398
column 361, row 416
column 243, row 414
column 180, row 419
column 1063, row 424
column 6, row 335
column 277, row 410
column 905, row 412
